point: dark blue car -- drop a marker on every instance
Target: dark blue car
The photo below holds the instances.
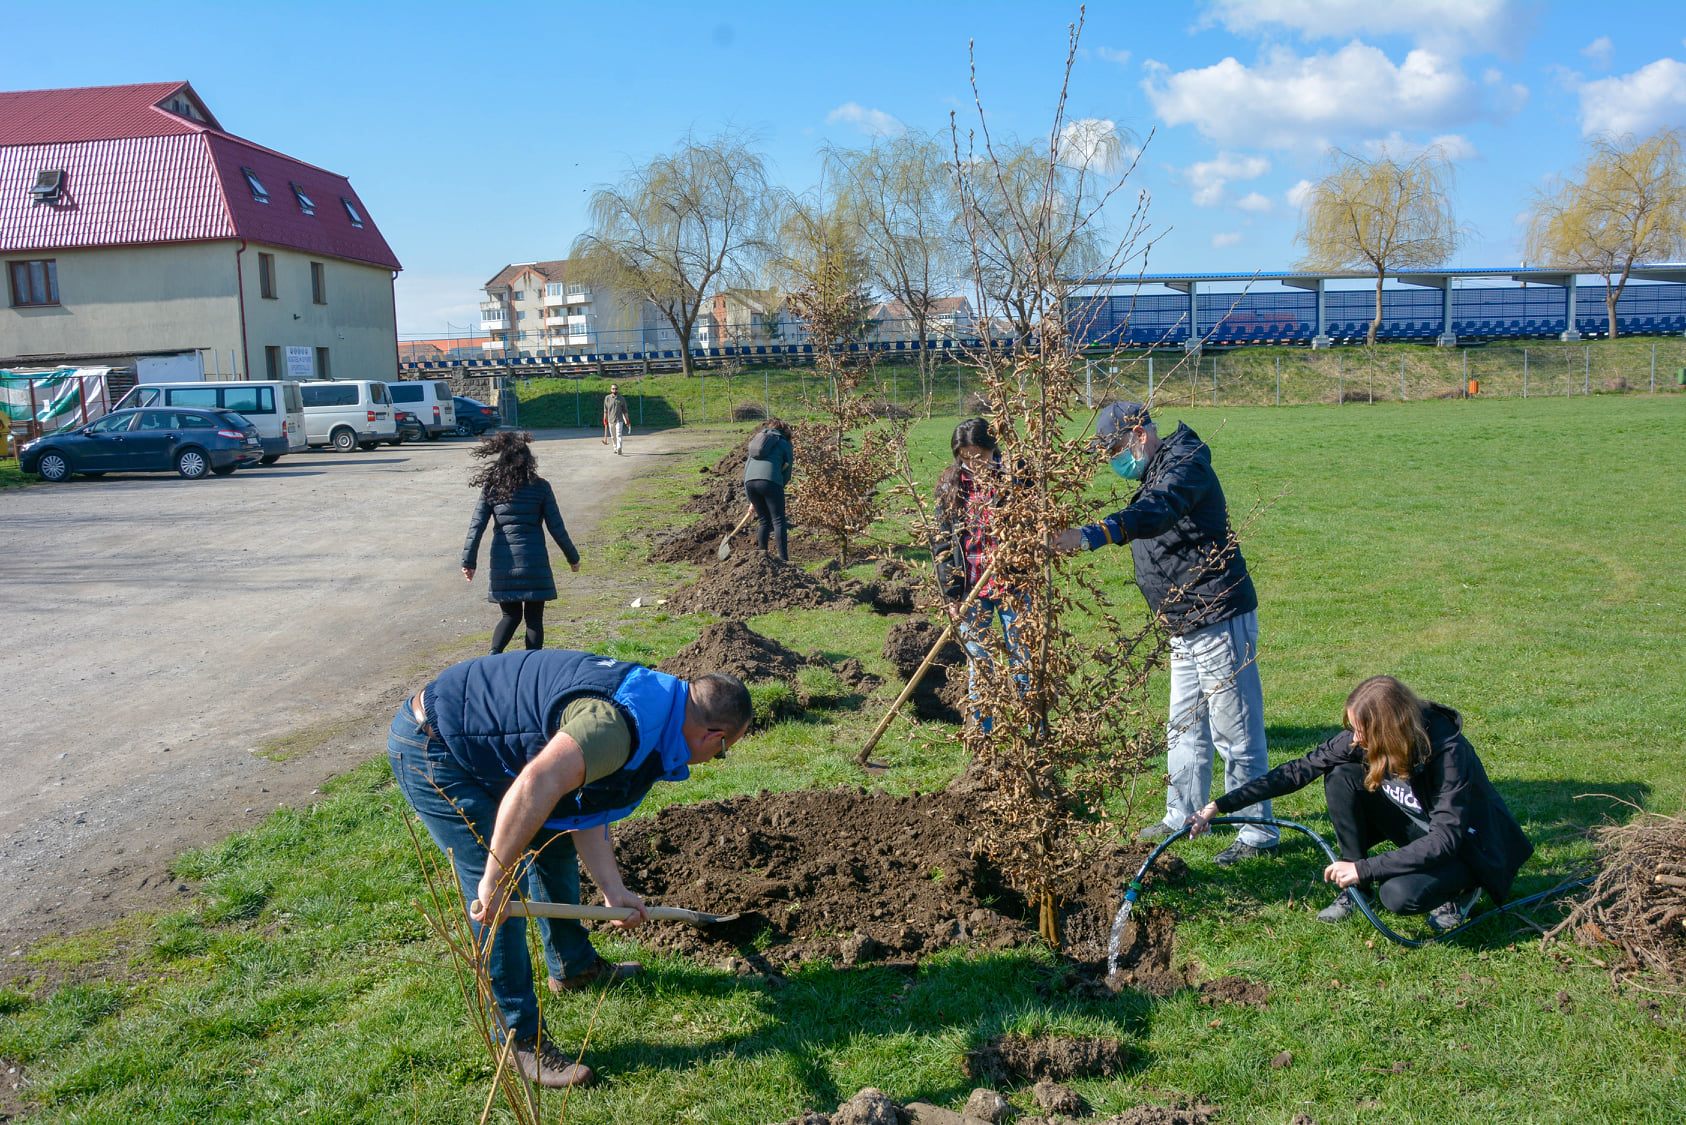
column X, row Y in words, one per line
column 474, row 417
column 191, row 442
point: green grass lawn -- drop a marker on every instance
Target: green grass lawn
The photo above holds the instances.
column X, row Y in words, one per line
column 13, row 477
column 1519, row 560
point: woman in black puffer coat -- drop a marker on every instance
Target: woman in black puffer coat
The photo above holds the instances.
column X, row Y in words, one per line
column 520, row 506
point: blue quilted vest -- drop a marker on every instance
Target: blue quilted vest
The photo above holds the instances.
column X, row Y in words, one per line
column 495, row 713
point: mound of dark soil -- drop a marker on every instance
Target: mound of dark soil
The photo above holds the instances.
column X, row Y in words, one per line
column 848, row 876
column 733, row 647
column 1016, row 1059
column 722, row 486
column 941, row 695
column 749, row 583
column 1145, row 954
column 696, row 543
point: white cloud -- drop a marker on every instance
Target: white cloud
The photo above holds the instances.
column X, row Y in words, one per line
column 1291, row 101
column 1451, row 25
column 872, row 122
column 1254, row 202
column 1296, row 195
column 1113, row 56
column 1225, row 238
column 1648, row 98
column 1094, row 143
column 1453, row 146
column 1599, row 51
column 1209, row 177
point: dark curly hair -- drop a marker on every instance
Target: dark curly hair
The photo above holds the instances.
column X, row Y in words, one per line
column 508, row 464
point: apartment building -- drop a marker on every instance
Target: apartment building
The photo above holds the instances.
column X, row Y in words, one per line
column 534, row 308
column 135, row 230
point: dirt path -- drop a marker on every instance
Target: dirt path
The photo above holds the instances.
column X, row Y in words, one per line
column 181, row 657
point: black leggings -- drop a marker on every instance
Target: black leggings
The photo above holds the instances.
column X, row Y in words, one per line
column 767, row 498
column 513, row 612
column 1364, row 819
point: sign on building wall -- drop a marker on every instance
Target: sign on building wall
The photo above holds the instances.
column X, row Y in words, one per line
column 301, row 363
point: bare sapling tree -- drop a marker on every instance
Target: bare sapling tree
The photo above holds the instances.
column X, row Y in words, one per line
column 898, row 196
column 1387, row 214
column 1626, row 206
column 847, row 454
column 676, row 228
column 1062, row 727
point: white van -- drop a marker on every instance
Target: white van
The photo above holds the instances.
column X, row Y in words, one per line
column 429, row 400
column 274, row 406
column 348, row 414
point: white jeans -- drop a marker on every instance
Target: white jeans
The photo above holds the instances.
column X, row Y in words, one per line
column 1217, row 705
column 617, row 429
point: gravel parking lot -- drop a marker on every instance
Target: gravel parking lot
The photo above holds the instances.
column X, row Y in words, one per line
column 184, row 656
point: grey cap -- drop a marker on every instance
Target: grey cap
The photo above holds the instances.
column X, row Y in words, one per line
column 1118, row 418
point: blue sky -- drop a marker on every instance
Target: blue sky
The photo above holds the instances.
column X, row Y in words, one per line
column 474, row 132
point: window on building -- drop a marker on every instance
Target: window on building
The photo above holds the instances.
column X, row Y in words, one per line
column 521, row 314
column 259, row 192
column 306, row 204
column 266, row 275
column 272, row 362
column 352, row 213
column 324, row 370
column 49, row 186
column 519, row 295
column 318, row 283
column 34, row 282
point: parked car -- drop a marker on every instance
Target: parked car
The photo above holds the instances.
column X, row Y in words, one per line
column 147, row 440
column 430, row 401
column 409, row 428
column 475, row 417
column 347, row 413
column 274, row 406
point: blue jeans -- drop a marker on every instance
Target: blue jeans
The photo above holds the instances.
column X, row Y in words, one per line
column 459, row 813
column 1217, row 706
column 974, row 625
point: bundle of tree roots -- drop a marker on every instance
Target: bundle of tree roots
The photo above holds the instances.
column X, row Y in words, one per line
column 1638, row 901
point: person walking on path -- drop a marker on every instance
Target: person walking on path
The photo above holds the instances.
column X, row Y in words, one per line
column 967, row 493
column 1191, row 572
column 520, row 507
column 1401, row 770
column 516, row 764
column 767, row 468
column 617, row 419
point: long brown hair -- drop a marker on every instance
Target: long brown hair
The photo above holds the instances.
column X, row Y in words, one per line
column 1391, row 717
column 508, row 465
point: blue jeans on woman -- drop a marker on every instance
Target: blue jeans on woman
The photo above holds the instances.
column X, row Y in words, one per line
column 975, row 624
column 459, row 812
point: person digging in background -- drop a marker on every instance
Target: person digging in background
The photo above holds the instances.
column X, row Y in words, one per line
column 1195, row 581
column 617, row 419
column 1401, row 770
column 767, row 468
column 516, row 764
column 520, row 506
column 967, row 492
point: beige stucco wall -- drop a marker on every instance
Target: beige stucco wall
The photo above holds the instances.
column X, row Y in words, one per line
column 185, row 297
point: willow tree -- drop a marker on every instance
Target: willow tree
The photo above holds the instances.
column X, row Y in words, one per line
column 1626, row 206
column 675, row 228
column 1386, row 214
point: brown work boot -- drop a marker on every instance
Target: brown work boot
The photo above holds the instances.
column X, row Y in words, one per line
column 601, row 973
column 543, row 1065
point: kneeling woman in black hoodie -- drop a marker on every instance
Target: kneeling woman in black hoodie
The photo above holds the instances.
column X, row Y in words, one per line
column 1401, row 771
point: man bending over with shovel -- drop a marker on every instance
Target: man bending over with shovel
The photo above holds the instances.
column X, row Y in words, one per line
column 518, row 762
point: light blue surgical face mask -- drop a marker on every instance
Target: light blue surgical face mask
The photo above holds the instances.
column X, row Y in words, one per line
column 1128, row 465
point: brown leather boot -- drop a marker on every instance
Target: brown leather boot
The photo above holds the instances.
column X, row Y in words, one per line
column 602, row 973
column 542, row 1064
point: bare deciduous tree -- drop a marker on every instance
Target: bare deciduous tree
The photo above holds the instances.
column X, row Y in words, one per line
column 1626, row 206
column 1385, row 214
column 680, row 225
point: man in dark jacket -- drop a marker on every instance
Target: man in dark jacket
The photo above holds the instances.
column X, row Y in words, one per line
column 1191, row 572
column 517, row 762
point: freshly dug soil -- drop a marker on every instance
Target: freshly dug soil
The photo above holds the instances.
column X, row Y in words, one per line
column 733, row 647
column 849, row 876
column 1235, row 990
column 722, row 486
column 1145, row 954
column 698, row 542
column 749, row 583
column 872, row 1106
column 941, row 695
column 1017, row 1059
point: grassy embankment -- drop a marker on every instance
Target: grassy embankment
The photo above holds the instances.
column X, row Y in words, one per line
column 1518, row 560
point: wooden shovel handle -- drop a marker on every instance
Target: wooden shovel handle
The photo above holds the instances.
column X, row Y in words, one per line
column 518, row 909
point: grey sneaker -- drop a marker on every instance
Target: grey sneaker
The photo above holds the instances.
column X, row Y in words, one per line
column 543, row 1065
column 1344, row 907
column 1155, row 832
column 1239, row 851
column 1453, row 913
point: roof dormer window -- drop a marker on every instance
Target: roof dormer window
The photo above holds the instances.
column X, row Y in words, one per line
column 49, row 186
column 259, row 192
column 306, row 204
column 352, row 213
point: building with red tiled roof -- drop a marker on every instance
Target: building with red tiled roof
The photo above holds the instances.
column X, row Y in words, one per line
column 133, row 225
